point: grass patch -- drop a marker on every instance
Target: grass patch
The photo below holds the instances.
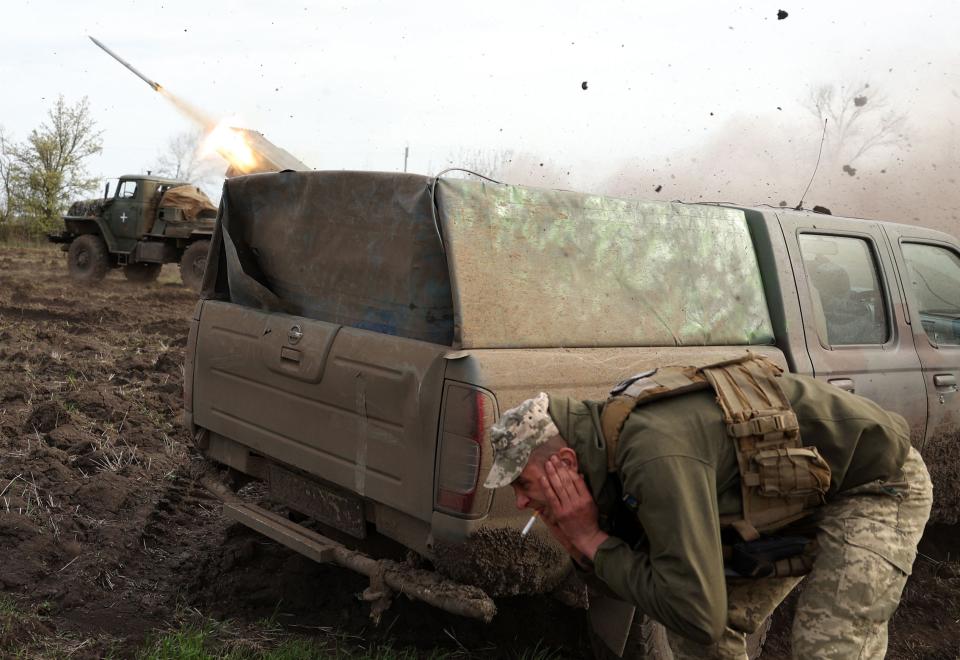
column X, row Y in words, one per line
column 27, row 632
column 208, row 643
column 205, row 639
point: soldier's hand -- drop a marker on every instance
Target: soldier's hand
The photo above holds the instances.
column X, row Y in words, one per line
column 563, row 540
column 571, row 507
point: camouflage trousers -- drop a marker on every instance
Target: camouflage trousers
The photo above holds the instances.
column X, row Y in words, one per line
column 867, row 541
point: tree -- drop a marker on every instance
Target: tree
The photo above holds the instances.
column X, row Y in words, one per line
column 183, row 160
column 43, row 174
column 860, row 121
column 6, row 212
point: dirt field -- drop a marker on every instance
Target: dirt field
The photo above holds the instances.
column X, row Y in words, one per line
column 107, row 539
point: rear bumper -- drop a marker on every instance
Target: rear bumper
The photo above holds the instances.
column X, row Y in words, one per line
column 485, row 553
column 386, row 577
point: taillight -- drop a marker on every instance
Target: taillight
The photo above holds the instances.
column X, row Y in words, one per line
column 464, row 452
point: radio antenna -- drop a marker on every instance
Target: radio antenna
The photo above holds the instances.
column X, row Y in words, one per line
column 799, row 207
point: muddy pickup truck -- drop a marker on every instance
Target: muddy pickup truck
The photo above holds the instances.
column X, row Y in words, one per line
column 358, row 333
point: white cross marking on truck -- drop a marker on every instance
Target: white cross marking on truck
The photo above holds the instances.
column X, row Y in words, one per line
column 123, row 217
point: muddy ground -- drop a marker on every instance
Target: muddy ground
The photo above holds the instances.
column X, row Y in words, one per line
column 107, row 537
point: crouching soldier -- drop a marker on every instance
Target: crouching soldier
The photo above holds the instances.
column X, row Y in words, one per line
column 700, row 494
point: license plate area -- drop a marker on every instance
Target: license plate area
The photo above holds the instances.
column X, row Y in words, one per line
column 340, row 510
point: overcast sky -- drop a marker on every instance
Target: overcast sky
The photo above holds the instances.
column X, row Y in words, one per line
column 346, row 85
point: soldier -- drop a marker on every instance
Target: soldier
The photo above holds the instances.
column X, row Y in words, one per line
column 671, row 493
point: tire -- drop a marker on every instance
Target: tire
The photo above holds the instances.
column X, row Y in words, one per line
column 142, row 273
column 647, row 640
column 88, row 259
column 192, row 264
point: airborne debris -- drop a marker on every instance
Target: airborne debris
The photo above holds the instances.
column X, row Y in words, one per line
column 781, row 14
column 860, row 101
column 852, row 171
column 658, row 188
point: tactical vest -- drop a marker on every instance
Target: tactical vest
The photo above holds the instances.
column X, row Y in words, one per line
column 781, row 481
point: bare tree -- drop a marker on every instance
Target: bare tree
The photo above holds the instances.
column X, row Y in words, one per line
column 184, row 160
column 860, row 121
column 43, row 173
column 6, row 209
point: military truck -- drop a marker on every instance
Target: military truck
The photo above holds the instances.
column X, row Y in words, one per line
column 358, row 333
column 148, row 222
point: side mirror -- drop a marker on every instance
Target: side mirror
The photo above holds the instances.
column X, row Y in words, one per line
column 106, row 191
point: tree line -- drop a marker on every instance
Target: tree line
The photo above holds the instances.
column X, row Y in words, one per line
column 43, row 173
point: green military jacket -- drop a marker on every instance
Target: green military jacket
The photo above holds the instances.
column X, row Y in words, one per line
column 677, row 470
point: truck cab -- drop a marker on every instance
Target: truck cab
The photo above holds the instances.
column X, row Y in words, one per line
column 131, row 212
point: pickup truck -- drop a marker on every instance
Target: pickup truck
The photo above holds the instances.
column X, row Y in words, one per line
column 359, row 332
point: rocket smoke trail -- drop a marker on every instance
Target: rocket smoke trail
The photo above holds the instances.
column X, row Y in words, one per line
column 197, row 116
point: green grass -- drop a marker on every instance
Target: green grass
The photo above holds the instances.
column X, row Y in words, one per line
column 23, row 634
column 223, row 641
column 203, row 644
column 8, row 606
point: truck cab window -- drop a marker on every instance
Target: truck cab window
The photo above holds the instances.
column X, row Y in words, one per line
column 127, row 189
column 848, row 301
column 934, row 274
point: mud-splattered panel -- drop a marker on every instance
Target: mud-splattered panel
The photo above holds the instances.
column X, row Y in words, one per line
column 535, row 268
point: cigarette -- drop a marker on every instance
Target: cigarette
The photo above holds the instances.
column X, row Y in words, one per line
column 529, row 525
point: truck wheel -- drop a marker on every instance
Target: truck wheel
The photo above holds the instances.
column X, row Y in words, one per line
column 88, row 259
column 647, row 641
column 142, row 273
column 192, row 264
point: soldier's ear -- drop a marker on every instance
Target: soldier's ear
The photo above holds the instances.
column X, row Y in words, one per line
column 568, row 457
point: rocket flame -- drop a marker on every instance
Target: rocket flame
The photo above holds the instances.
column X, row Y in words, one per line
column 230, row 145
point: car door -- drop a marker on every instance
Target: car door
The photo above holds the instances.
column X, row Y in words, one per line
column 126, row 214
column 929, row 266
column 856, row 328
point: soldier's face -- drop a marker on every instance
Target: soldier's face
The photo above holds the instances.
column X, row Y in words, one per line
column 527, row 488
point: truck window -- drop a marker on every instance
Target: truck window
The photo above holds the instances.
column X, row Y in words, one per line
column 848, row 301
column 934, row 274
column 127, row 189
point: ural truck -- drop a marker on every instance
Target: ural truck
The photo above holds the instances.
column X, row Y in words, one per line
column 358, row 333
column 148, row 222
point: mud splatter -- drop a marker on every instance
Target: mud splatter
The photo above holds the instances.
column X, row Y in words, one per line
column 503, row 563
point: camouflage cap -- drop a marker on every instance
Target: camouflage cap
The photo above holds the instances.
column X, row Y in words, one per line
column 517, row 433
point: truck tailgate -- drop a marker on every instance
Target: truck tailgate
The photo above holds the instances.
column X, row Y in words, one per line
column 354, row 407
